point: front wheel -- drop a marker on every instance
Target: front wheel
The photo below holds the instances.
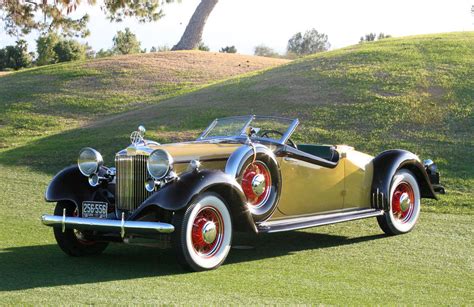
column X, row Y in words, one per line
column 72, row 241
column 404, row 205
column 203, row 234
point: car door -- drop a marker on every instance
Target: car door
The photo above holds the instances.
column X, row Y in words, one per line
column 310, row 185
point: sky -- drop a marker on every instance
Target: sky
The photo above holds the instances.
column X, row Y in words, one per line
column 248, row 23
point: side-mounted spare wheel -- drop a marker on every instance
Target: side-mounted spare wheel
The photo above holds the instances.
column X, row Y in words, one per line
column 404, row 202
column 203, row 233
column 257, row 171
column 71, row 241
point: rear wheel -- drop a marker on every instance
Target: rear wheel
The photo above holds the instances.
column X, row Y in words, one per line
column 71, row 241
column 203, row 233
column 404, row 205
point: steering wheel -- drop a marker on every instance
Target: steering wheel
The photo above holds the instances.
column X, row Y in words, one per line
column 265, row 133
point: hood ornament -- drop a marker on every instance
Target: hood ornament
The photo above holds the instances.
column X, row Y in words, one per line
column 137, row 136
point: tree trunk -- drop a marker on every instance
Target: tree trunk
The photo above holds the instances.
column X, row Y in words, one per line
column 193, row 33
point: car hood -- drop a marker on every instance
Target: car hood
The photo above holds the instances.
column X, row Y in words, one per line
column 185, row 152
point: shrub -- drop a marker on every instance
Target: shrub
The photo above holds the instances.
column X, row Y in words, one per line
column 52, row 48
column 311, row 42
column 228, row 49
column 69, row 50
column 45, row 49
column 126, row 42
column 202, row 46
column 15, row 57
column 262, row 50
column 372, row 37
column 163, row 48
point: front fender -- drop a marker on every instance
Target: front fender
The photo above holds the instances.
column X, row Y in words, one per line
column 386, row 165
column 69, row 184
column 179, row 194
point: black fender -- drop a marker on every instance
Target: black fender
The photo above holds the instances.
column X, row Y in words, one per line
column 386, row 165
column 178, row 195
column 71, row 185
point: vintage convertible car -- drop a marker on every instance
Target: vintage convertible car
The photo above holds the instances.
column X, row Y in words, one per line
column 242, row 174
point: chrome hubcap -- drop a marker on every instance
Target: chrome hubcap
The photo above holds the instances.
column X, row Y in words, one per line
column 258, row 184
column 209, row 232
column 404, row 202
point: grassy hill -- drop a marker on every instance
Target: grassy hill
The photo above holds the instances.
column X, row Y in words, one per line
column 44, row 100
column 415, row 93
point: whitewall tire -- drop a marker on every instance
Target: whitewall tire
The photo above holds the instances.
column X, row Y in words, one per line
column 404, row 202
column 203, row 233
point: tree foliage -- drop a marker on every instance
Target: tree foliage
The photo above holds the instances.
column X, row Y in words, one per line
column 202, row 46
column 52, row 48
column 69, row 50
column 262, row 50
column 15, row 57
column 228, row 49
column 126, row 42
column 21, row 17
column 373, row 36
column 311, row 42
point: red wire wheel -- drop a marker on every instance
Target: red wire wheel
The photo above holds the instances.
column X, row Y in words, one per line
column 256, row 183
column 207, row 232
column 403, row 200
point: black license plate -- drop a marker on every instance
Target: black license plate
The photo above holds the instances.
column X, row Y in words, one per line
column 95, row 209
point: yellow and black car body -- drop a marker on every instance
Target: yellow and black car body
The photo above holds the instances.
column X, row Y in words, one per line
column 243, row 173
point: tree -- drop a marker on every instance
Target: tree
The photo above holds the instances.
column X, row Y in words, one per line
column 262, row 50
column 23, row 16
column 125, row 42
column 69, row 50
column 45, row 49
column 15, row 57
column 373, row 36
column 228, row 49
column 52, row 48
column 104, row 53
column 311, row 42
column 193, row 33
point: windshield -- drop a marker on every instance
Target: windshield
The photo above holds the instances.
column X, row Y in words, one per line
column 274, row 128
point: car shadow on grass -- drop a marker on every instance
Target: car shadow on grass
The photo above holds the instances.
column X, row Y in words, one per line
column 29, row 267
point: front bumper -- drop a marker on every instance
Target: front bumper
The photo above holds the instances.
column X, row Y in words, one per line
column 103, row 225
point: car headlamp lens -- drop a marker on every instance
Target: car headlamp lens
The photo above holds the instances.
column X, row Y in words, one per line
column 89, row 161
column 159, row 164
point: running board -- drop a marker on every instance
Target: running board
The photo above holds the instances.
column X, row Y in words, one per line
column 317, row 220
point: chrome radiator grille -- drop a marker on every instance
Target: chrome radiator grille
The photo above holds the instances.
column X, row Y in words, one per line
column 130, row 189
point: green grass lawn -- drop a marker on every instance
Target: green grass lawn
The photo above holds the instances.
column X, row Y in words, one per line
column 344, row 264
column 415, row 93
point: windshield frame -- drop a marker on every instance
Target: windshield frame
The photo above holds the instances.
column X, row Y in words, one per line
column 286, row 135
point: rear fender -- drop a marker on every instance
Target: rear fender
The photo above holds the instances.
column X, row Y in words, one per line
column 178, row 195
column 386, row 165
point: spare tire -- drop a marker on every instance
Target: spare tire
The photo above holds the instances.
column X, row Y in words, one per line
column 259, row 177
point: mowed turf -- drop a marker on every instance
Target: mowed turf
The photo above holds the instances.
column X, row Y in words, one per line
column 414, row 93
column 345, row 264
column 45, row 100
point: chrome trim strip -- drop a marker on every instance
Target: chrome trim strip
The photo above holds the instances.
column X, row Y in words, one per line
column 205, row 132
column 318, row 220
column 135, row 227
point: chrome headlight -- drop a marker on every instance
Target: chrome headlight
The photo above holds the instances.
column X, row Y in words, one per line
column 89, row 161
column 159, row 164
